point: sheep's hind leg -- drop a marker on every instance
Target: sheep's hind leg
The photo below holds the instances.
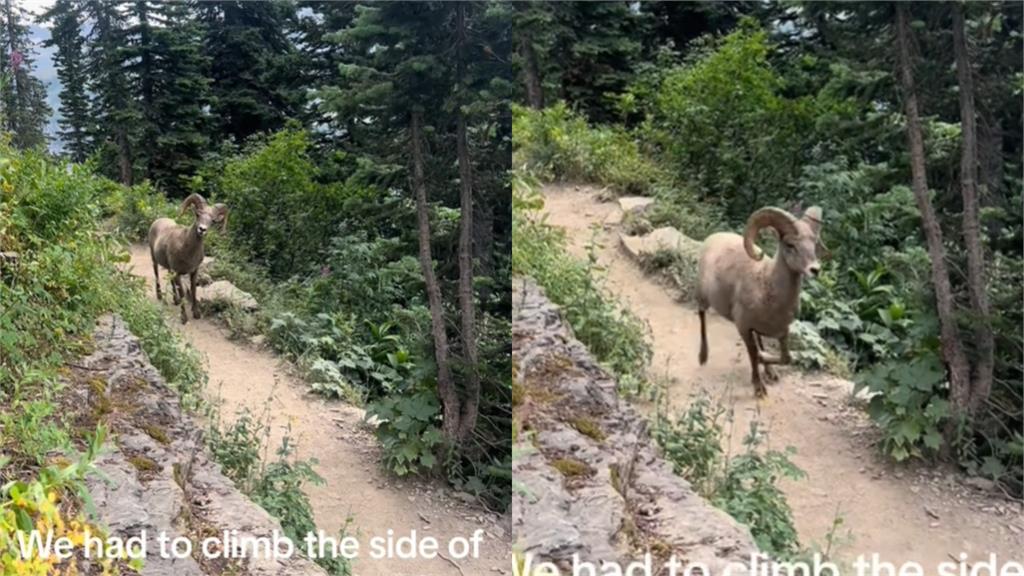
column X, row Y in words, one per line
column 176, row 289
column 703, row 357
column 770, row 374
column 749, row 339
column 156, row 276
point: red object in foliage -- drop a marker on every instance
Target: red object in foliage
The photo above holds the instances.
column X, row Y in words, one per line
column 16, row 59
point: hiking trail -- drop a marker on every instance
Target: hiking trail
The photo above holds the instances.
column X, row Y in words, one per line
column 902, row 513
column 357, row 495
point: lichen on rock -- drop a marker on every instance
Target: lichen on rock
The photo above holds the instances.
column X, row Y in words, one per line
column 156, row 475
column 619, row 499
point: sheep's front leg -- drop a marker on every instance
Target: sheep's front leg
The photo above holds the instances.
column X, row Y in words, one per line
column 192, row 289
column 175, row 290
column 749, row 338
column 179, row 289
column 769, row 370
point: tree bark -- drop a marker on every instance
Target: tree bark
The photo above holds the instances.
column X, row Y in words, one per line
column 445, row 388
column 471, row 399
column 952, row 351
column 981, row 384
column 124, row 156
column 531, row 74
column 18, row 101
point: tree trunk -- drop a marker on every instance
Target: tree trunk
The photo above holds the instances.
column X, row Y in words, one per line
column 981, row 384
column 471, row 400
column 124, row 156
column 445, row 388
column 17, row 103
column 952, row 352
column 531, row 73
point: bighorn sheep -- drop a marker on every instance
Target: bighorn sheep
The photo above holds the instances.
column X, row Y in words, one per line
column 180, row 249
column 760, row 297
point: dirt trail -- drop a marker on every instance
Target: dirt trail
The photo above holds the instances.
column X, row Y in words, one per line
column 901, row 513
column 333, row 433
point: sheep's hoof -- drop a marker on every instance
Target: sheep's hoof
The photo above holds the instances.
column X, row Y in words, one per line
column 771, row 375
column 760, row 392
column 196, row 314
column 184, row 317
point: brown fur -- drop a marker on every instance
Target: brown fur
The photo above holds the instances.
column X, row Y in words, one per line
column 180, row 249
column 761, row 297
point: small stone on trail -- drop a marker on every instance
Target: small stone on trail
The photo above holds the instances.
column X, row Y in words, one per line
column 931, row 512
column 635, row 203
column 226, row 291
column 983, row 484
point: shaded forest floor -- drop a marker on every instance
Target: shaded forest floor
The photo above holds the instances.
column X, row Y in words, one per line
column 356, row 496
column 902, row 513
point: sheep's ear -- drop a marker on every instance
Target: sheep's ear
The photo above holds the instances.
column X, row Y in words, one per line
column 220, row 216
column 813, row 217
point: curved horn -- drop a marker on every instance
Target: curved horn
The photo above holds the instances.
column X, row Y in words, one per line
column 221, row 216
column 776, row 218
column 193, row 200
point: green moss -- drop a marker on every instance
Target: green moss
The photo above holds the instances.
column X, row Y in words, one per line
column 571, row 467
column 157, row 433
column 588, row 427
column 144, row 464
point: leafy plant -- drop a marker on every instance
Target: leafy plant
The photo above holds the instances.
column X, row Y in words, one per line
column 908, row 404
column 408, row 431
column 557, row 143
column 276, row 485
column 749, row 492
column 745, row 486
column 692, row 442
column 35, row 434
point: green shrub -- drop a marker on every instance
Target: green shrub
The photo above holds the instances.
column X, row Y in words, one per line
column 692, row 442
column 408, row 431
column 136, row 207
column 276, row 485
column 34, row 431
column 746, row 485
column 723, row 125
column 557, row 143
column 908, row 405
column 280, row 214
column 749, row 491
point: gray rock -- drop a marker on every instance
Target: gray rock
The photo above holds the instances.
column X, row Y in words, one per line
column 983, row 484
column 621, row 487
column 224, row 291
column 634, row 203
column 203, row 275
column 157, row 477
column 665, row 238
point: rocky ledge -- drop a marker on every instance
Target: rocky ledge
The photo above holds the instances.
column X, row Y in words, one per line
column 156, row 475
column 589, row 479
